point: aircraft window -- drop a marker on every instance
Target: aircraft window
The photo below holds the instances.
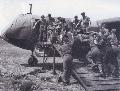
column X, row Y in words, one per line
column 21, row 21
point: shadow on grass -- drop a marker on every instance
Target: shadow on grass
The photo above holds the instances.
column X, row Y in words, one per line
column 47, row 66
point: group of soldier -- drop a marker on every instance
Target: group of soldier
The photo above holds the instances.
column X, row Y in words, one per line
column 61, row 25
column 77, row 42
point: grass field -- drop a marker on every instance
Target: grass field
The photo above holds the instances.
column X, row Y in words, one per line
column 14, row 68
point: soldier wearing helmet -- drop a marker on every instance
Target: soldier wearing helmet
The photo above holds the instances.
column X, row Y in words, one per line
column 59, row 22
column 50, row 20
column 43, row 28
column 85, row 22
column 113, row 38
column 76, row 24
column 50, row 26
column 43, row 20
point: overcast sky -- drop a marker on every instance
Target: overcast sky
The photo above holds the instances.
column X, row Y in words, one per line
column 95, row 9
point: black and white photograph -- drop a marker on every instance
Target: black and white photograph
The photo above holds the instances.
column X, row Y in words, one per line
column 59, row 45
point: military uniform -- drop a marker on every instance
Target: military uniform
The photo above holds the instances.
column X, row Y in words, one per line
column 66, row 51
column 84, row 46
column 43, row 30
column 35, row 33
column 113, row 39
column 94, row 55
column 50, row 27
column 50, row 22
column 114, row 42
column 85, row 22
column 69, row 51
column 76, row 24
column 109, row 58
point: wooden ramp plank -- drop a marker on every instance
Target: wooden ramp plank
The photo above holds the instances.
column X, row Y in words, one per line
column 96, row 83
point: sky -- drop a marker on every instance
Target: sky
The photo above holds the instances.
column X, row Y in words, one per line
column 95, row 9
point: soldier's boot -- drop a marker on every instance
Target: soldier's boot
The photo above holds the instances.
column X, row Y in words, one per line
column 65, row 83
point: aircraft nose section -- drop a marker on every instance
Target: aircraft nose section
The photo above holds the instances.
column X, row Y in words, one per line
column 16, row 37
column 20, row 32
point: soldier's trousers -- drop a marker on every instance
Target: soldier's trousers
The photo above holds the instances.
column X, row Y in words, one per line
column 110, row 63
column 67, row 67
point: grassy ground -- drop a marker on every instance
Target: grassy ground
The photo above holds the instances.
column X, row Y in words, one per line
column 16, row 75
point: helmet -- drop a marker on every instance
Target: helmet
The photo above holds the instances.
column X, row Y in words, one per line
column 59, row 18
column 49, row 15
column 76, row 17
column 42, row 16
column 83, row 13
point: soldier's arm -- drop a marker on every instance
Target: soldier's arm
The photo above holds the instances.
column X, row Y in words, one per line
column 106, row 32
column 80, row 20
column 78, row 24
column 89, row 21
column 36, row 24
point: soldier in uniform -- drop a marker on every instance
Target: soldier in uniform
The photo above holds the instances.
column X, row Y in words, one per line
column 50, row 20
column 50, row 26
column 63, row 21
column 70, row 50
column 76, row 24
column 59, row 25
column 109, row 55
column 104, row 30
column 43, row 29
column 35, row 33
column 66, row 51
column 114, row 42
column 58, row 22
column 113, row 38
column 85, row 22
column 83, row 40
column 68, row 33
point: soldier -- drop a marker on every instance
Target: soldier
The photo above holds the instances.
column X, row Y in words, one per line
column 85, row 22
column 59, row 25
column 76, row 23
column 113, row 38
column 104, row 30
column 66, row 51
column 109, row 54
column 69, row 51
column 36, row 31
column 43, row 20
column 63, row 23
column 50, row 26
column 114, row 42
column 94, row 55
column 68, row 33
column 50, row 20
column 43, row 29
column 58, row 22
column 84, row 46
